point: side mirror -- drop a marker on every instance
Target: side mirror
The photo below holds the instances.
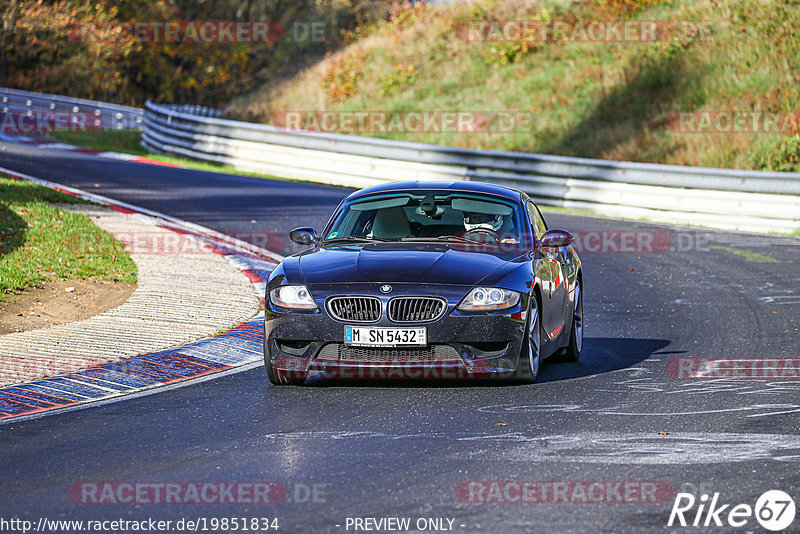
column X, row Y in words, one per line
column 303, row 236
column 556, row 238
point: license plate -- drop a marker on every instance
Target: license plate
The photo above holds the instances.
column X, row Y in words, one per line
column 361, row 336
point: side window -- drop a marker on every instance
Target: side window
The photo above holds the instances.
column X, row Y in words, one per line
column 537, row 222
column 540, row 221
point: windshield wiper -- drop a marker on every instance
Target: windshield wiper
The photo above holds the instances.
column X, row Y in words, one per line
column 354, row 239
column 444, row 238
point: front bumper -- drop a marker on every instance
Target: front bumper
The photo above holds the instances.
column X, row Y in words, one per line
column 460, row 344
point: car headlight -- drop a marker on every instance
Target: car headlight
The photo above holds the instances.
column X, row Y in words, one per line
column 292, row 298
column 489, row 298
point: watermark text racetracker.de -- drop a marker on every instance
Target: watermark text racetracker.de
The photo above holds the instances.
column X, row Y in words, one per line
column 564, row 492
column 150, row 525
column 439, row 121
column 726, row 368
column 578, row 31
column 405, row 122
column 203, row 492
column 174, row 243
column 585, row 241
column 734, row 122
column 612, row 241
column 31, row 122
column 197, row 32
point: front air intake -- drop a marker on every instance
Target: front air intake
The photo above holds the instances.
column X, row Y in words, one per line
column 416, row 309
column 355, row 309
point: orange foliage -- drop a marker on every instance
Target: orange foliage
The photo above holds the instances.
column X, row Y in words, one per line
column 75, row 47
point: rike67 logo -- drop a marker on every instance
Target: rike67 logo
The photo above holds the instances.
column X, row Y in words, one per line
column 774, row 510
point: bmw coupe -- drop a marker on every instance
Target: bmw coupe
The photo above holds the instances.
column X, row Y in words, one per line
column 425, row 280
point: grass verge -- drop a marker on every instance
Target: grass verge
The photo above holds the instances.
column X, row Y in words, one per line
column 39, row 241
column 606, row 99
column 125, row 141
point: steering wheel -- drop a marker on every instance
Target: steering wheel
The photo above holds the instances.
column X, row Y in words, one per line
column 483, row 232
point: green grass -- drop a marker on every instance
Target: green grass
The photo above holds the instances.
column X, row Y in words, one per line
column 749, row 255
column 610, row 100
column 40, row 241
column 125, row 141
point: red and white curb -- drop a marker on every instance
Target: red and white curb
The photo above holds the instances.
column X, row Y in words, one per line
column 237, row 349
column 137, row 159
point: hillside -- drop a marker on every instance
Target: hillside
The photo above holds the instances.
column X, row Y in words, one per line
column 612, row 99
column 188, row 51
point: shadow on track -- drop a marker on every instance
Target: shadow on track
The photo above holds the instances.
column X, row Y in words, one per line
column 600, row 355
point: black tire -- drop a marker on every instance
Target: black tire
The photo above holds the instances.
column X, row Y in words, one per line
column 281, row 377
column 530, row 356
column 573, row 353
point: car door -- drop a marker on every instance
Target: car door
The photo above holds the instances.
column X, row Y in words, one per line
column 560, row 293
column 548, row 271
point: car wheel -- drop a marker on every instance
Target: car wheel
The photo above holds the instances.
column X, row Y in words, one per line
column 573, row 353
column 282, row 377
column 530, row 356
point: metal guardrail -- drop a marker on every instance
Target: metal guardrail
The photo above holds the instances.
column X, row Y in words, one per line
column 721, row 198
column 731, row 199
column 101, row 115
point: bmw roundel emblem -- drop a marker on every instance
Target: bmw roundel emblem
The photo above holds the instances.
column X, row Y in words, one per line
column 386, row 289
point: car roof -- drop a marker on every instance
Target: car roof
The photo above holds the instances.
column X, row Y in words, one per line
column 473, row 187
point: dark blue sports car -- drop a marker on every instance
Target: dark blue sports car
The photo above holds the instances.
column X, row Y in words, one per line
column 425, row 280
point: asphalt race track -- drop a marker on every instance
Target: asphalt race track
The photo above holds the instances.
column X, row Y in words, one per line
column 398, row 449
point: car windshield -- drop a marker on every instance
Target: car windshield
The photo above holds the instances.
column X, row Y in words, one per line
column 422, row 215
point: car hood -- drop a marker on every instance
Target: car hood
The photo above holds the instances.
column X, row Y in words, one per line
column 395, row 263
